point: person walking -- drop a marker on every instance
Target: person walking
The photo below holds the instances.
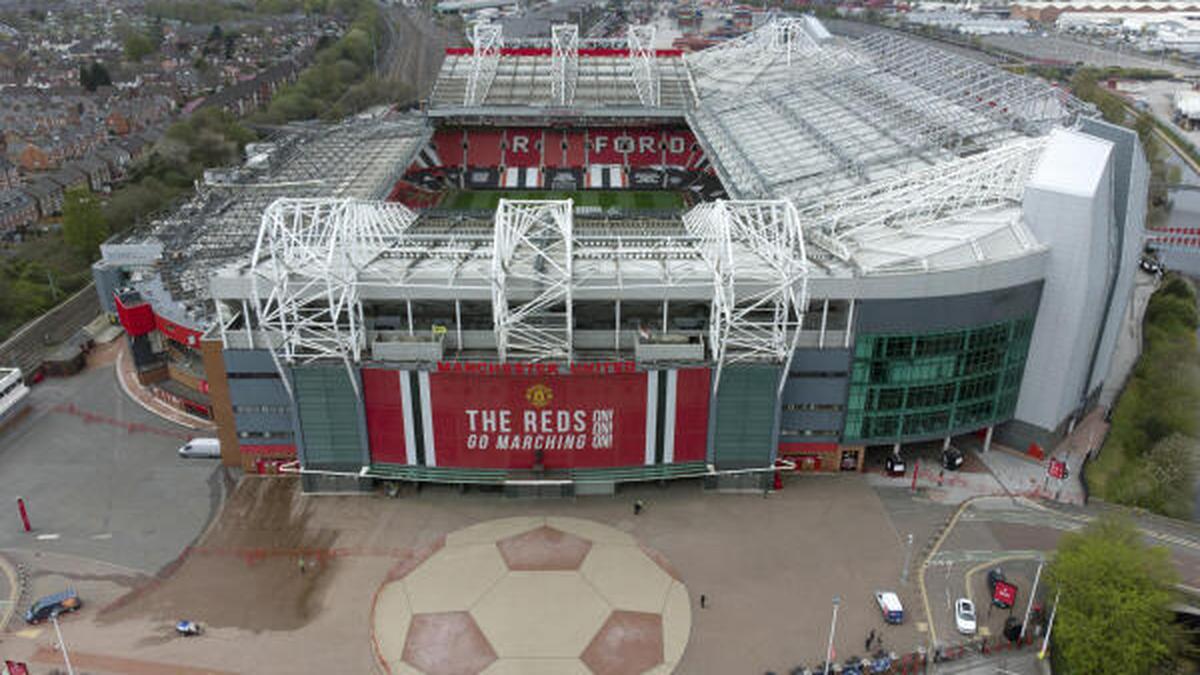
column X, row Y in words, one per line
column 703, row 601
column 638, row 505
column 301, row 564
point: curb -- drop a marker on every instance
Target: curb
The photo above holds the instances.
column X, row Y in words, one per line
column 929, row 552
column 183, row 422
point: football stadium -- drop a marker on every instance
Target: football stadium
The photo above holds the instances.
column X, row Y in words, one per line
column 585, row 262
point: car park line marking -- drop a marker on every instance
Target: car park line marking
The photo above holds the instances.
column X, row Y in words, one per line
column 106, row 535
column 48, row 537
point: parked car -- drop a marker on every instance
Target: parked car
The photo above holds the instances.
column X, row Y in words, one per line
column 952, row 459
column 894, row 465
column 995, row 574
column 964, row 616
column 52, row 606
column 204, row 448
column 890, row 607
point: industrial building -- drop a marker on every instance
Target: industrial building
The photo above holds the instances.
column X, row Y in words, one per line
column 880, row 243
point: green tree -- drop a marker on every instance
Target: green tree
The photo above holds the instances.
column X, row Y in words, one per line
column 1114, row 602
column 93, row 76
column 83, row 222
column 138, row 45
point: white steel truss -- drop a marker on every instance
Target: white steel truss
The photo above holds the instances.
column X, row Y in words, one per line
column 564, row 63
column 532, row 281
column 305, row 269
column 486, row 42
column 755, row 251
column 919, row 201
column 643, row 60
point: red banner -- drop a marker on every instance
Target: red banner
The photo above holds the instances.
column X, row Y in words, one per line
column 385, row 415
column 515, row 421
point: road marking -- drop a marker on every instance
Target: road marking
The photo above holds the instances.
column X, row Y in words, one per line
column 106, row 535
column 47, row 537
column 29, row 633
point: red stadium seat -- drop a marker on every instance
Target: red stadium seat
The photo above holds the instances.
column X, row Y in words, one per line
column 449, row 146
column 483, row 148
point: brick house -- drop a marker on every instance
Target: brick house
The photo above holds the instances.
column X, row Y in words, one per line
column 96, row 170
column 47, row 194
column 17, row 210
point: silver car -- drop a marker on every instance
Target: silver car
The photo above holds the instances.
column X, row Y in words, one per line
column 964, row 616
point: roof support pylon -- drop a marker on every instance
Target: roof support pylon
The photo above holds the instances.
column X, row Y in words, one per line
column 644, row 63
column 532, row 261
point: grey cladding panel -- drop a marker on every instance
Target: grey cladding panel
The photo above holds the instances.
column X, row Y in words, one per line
column 263, row 421
column 811, row 421
column 249, row 361
column 257, row 392
column 929, row 315
column 803, row 390
column 820, row 361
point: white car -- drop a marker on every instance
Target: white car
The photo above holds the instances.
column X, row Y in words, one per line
column 964, row 616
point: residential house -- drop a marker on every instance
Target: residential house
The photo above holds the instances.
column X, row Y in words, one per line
column 96, row 170
column 117, row 158
column 17, row 210
column 69, row 178
column 31, row 156
column 47, row 194
column 9, row 176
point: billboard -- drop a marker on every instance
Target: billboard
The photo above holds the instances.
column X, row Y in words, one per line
column 513, row 421
column 522, row 416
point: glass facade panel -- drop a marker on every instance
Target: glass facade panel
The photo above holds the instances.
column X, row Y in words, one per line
column 931, row 384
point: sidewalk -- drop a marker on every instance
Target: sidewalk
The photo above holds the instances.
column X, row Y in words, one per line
column 1023, row 475
column 143, row 396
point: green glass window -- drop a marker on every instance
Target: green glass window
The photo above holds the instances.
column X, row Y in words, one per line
column 931, row 384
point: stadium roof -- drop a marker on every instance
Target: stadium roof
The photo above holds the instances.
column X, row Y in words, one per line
column 360, row 159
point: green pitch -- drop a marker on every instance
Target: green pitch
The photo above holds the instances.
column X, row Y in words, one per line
column 488, row 200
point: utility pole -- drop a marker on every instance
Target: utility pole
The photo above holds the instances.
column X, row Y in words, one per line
column 62, row 645
column 1049, row 628
column 832, row 629
column 907, row 559
column 1036, row 577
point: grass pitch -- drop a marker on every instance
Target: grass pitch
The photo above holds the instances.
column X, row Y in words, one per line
column 488, row 200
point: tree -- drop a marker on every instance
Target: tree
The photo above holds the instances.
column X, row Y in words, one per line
column 138, row 46
column 84, row 227
column 1114, row 602
column 94, row 76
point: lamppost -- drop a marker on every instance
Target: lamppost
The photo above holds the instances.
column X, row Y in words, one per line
column 1036, row 578
column 907, row 560
column 832, row 629
column 62, row 645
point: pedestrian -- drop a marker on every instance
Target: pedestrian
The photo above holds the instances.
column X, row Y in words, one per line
column 301, row 563
column 867, row 643
column 941, row 477
column 638, row 505
column 703, row 601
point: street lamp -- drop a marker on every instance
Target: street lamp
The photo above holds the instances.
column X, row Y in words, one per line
column 62, row 645
column 832, row 629
column 908, row 546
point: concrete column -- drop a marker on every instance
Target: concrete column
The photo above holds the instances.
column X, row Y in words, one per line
column 945, row 444
column 408, row 303
column 617, row 327
column 895, row 448
column 458, row 323
column 987, row 440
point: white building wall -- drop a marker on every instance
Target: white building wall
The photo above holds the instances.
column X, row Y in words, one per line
column 1067, row 205
column 1132, row 241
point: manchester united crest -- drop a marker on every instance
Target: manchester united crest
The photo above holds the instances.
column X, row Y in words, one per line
column 539, row 395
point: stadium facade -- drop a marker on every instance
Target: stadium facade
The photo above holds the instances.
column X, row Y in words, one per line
column 883, row 244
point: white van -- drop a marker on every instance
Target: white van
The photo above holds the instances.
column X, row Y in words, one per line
column 206, row 448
